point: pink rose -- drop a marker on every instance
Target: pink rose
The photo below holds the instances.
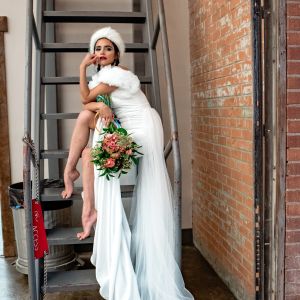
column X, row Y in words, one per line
column 129, row 152
column 110, row 163
column 115, row 155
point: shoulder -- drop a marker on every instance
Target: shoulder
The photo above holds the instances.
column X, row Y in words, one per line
column 120, row 77
column 123, row 67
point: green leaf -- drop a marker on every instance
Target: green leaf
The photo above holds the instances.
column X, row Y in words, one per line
column 135, row 151
column 122, row 131
column 134, row 159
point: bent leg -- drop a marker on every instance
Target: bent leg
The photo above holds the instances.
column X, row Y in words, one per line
column 89, row 213
column 79, row 140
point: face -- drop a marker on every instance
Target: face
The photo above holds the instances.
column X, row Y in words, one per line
column 105, row 52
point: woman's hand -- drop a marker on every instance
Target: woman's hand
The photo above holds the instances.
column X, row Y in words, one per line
column 105, row 113
column 89, row 59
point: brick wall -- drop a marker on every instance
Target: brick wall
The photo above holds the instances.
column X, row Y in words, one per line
column 292, row 262
column 222, row 135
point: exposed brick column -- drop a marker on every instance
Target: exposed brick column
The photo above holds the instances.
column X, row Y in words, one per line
column 292, row 262
column 222, row 135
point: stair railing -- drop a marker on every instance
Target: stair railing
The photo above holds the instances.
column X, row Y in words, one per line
column 173, row 143
column 31, row 32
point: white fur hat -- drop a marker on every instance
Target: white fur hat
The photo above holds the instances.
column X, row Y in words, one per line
column 110, row 34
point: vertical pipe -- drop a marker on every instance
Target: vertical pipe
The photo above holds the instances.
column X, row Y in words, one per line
column 26, row 151
column 174, row 130
column 37, row 128
column 258, row 150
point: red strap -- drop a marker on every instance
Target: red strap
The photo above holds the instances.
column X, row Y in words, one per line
column 40, row 242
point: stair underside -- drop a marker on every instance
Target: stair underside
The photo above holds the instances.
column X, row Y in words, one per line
column 83, row 47
column 53, row 194
column 75, row 80
column 94, row 17
column 75, row 280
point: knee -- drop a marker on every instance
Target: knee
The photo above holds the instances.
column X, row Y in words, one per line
column 85, row 116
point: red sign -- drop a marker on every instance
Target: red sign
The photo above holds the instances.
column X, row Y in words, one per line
column 40, row 243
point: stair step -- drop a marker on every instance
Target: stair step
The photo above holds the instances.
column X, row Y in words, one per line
column 59, row 116
column 53, row 194
column 66, row 236
column 94, row 17
column 54, row 154
column 75, row 280
column 83, row 47
column 75, row 80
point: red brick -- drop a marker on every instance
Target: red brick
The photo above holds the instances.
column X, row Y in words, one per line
column 293, row 209
column 292, row 223
column 292, row 262
column 293, row 126
column 222, row 134
column 293, row 112
column 293, row 168
column 293, row 24
column 293, row 52
column 293, row 97
column 293, row 154
column 293, row 236
column 292, row 249
column 293, row 67
column 293, row 141
column 293, row 195
column 293, row 182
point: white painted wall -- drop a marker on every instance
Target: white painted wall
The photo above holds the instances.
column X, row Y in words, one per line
column 178, row 32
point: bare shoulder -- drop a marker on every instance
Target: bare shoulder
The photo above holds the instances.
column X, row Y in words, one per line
column 124, row 68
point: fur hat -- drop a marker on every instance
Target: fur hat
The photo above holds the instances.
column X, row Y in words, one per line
column 110, row 34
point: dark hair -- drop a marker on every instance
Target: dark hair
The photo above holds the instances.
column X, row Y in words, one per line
column 117, row 60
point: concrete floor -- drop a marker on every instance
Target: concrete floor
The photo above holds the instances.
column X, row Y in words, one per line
column 200, row 279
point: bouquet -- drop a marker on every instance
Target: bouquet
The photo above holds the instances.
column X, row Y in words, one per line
column 116, row 152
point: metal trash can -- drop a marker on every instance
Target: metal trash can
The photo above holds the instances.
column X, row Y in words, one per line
column 56, row 214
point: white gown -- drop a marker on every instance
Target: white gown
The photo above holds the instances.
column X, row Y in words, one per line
column 137, row 261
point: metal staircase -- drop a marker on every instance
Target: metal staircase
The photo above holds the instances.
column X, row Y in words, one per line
column 44, row 78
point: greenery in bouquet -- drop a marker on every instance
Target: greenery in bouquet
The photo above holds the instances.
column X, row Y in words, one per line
column 116, row 152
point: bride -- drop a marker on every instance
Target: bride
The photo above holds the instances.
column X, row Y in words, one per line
column 135, row 258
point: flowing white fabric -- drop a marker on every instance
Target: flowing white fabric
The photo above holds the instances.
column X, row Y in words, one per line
column 138, row 263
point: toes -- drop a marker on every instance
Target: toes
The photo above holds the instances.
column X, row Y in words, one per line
column 82, row 235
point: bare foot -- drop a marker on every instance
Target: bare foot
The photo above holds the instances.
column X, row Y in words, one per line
column 89, row 218
column 69, row 178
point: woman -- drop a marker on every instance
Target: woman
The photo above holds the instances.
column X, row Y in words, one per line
column 137, row 261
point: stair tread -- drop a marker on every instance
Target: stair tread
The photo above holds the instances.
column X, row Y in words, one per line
column 94, row 16
column 74, row 280
column 53, row 194
column 59, row 116
column 83, row 47
column 57, row 153
column 75, row 80
column 66, row 236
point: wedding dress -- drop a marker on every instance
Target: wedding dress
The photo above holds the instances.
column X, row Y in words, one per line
column 136, row 261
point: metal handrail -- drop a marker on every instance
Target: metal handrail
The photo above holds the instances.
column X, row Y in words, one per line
column 27, row 152
column 161, row 25
column 36, row 37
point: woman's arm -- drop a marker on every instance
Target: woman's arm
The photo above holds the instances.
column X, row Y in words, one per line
column 88, row 95
column 103, row 110
column 100, row 89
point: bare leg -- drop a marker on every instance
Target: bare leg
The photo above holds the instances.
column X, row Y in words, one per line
column 79, row 140
column 89, row 213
